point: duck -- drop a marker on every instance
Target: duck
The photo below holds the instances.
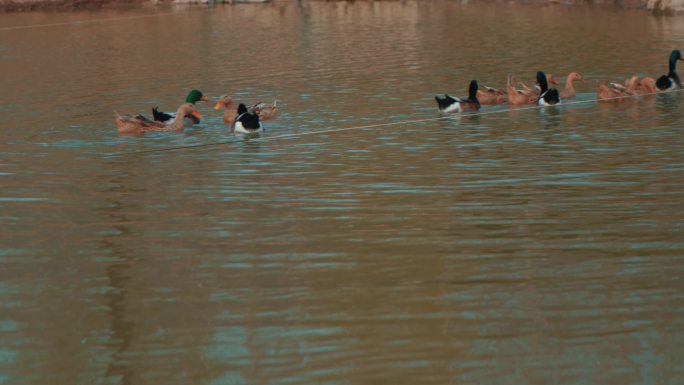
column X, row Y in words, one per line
column 671, row 80
column 247, row 122
column 491, row 95
column 647, row 85
column 515, row 96
column 229, row 115
column 448, row 104
column 140, row 124
column 569, row 91
column 266, row 111
column 547, row 96
column 193, row 97
column 609, row 92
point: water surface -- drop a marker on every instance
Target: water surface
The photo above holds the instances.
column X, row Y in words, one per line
column 514, row 247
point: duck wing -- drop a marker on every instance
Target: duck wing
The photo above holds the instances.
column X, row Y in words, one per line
column 249, row 121
column 443, row 102
column 164, row 117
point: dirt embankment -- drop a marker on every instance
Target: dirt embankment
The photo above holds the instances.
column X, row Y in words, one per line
column 654, row 6
column 42, row 5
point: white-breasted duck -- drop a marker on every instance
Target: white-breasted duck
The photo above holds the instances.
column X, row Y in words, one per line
column 547, row 96
column 671, row 80
column 247, row 122
column 449, row 104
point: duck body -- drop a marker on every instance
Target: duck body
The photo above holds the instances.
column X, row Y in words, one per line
column 609, row 92
column 515, row 96
column 170, row 117
column 449, row 104
column 140, row 124
column 247, row 122
column 266, row 111
column 547, row 96
column 491, row 96
column 671, row 81
column 647, row 86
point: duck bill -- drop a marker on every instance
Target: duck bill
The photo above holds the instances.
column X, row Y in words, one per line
column 218, row 105
column 204, row 98
column 196, row 115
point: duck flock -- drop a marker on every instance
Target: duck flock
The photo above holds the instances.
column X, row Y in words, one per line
column 247, row 120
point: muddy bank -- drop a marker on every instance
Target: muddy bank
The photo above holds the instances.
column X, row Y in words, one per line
column 44, row 5
column 658, row 7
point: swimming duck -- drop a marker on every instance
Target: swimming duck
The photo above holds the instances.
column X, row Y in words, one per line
column 230, row 113
column 140, row 124
column 168, row 117
column 448, row 104
column 266, row 111
column 569, row 91
column 671, row 80
column 515, row 96
column 647, row 85
column 547, row 96
column 491, row 96
column 609, row 92
column 247, row 122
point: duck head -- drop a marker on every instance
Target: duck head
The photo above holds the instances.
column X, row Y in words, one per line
column 242, row 108
column 573, row 76
column 195, row 96
column 674, row 56
column 225, row 100
column 472, row 90
column 541, row 81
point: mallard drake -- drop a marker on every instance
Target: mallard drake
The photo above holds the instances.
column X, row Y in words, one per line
column 247, row 122
column 671, row 80
column 140, row 124
column 266, row 111
column 448, row 104
column 569, row 91
column 168, row 117
column 229, row 115
column 547, row 96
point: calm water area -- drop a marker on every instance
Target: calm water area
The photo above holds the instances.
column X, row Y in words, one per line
column 518, row 246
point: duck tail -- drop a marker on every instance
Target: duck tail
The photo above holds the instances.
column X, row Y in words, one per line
column 443, row 102
column 155, row 113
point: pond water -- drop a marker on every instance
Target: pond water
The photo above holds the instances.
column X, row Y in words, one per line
column 513, row 247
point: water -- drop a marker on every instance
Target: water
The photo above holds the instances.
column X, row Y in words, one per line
column 518, row 247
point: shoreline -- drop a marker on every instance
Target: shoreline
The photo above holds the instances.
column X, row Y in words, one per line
column 653, row 7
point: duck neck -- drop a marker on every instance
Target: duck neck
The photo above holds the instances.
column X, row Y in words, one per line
column 230, row 108
column 570, row 84
column 178, row 122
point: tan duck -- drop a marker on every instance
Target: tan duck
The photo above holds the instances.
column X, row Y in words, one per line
column 230, row 113
column 610, row 92
column 569, row 91
column 266, row 111
column 518, row 97
column 139, row 124
column 647, row 85
column 491, row 96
